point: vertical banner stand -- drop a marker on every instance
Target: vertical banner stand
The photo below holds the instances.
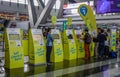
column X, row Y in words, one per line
column 14, row 55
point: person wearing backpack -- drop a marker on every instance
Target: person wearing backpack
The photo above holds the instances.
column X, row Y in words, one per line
column 87, row 41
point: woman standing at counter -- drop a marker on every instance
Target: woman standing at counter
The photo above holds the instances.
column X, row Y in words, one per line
column 49, row 45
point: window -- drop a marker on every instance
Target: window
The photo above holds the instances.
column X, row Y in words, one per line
column 15, row 1
column 57, row 4
column 35, row 2
column 6, row 0
column 22, row 1
column 45, row 1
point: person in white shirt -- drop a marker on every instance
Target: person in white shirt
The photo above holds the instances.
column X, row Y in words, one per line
column 107, row 44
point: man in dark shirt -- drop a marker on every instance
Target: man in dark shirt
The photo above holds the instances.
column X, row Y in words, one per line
column 95, row 40
column 101, row 40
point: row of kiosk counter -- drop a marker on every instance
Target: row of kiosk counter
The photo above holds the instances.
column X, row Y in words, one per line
column 67, row 45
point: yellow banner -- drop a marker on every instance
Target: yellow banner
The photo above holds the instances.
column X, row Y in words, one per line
column 69, row 21
column 54, row 20
column 113, row 39
column 14, row 55
column 88, row 17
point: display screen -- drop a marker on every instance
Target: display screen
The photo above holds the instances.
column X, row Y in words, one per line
column 55, row 36
column 108, row 6
column 70, row 36
column 37, row 37
column 14, row 37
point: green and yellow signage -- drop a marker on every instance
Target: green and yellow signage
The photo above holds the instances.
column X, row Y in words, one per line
column 113, row 39
column 54, row 20
column 69, row 21
column 57, row 53
column 88, row 17
column 79, row 43
column 69, row 44
column 64, row 26
column 14, row 55
column 37, row 48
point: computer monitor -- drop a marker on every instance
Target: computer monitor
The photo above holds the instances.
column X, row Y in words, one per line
column 56, row 36
column 14, row 37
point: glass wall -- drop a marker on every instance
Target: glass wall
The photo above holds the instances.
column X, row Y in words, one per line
column 55, row 6
column 35, row 2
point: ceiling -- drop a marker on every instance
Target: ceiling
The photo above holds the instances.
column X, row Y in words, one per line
column 80, row 0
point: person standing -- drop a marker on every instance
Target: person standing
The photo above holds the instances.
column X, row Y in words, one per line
column 101, row 40
column 87, row 41
column 106, row 50
column 49, row 45
column 95, row 40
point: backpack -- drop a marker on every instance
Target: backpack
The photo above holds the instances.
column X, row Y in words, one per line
column 88, row 38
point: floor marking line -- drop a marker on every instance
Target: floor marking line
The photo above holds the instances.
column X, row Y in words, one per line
column 77, row 68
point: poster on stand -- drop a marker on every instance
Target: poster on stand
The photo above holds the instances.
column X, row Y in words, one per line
column 113, row 38
column 88, row 17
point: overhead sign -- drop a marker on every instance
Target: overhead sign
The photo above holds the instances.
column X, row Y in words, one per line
column 64, row 26
column 54, row 20
column 69, row 21
column 74, row 5
column 71, row 9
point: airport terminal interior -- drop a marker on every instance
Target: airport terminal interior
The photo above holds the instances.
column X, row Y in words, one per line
column 59, row 38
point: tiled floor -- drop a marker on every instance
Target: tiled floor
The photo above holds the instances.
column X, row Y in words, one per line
column 74, row 68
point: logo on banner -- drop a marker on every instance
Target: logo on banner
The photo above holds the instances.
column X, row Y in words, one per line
column 58, row 52
column 83, row 10
column 81, row 49
column 81, row 46
column 73, row 50
column 40, row 52
column 16, row 56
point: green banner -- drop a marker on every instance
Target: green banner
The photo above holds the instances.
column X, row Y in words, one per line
column 64, row 26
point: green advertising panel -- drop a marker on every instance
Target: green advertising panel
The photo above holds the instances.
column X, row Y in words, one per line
column 14, row 54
